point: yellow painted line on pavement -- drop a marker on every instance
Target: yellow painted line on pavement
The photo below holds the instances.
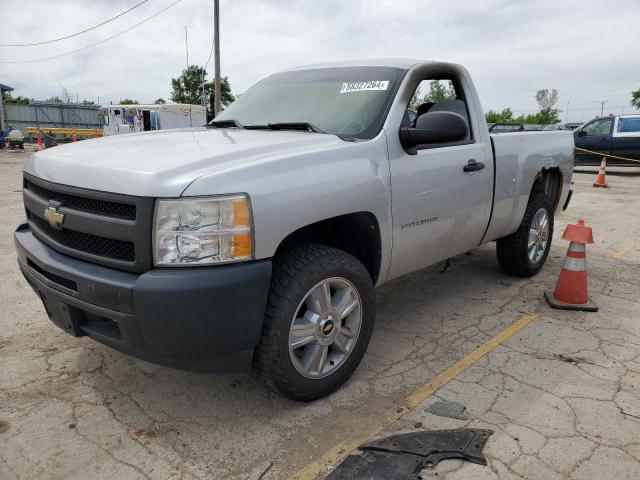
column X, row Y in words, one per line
column 343, row 449
column 622, row 252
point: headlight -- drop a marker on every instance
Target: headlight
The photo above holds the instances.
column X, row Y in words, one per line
column 203, row 230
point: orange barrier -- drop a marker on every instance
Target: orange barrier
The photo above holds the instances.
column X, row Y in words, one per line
column 601, row 181
column 87, row 132
column 571, row 292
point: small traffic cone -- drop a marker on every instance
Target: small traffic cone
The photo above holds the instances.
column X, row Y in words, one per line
column 601, row 181
column 74, row 137
column 571, row 292
column 39, row 139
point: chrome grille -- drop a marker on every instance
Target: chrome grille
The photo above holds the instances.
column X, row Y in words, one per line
column 104, row 228
column 85, row 242
column 100, row 207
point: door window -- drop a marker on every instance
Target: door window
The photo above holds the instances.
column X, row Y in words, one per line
column 629, row 125
column 438, row 95
column 599, row 127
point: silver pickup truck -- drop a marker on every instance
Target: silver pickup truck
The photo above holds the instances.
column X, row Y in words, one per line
column 259, row 239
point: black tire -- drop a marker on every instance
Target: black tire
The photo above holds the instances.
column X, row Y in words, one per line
column 295, row 273
column 512, row 250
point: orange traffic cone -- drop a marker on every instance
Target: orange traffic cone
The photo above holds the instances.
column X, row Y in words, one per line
column 600, row 179
column 74, row 137
column 39, row 139
column 571, row 291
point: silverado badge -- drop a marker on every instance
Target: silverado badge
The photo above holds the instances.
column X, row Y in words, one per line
column 54, row 217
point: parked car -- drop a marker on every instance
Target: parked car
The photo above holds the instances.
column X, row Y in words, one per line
column 614, row 135
column 260, row 238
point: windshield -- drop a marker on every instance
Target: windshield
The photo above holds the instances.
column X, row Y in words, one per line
column 345, row 101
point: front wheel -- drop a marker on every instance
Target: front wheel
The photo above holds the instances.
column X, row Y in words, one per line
column 318, row 323
column 525, row 252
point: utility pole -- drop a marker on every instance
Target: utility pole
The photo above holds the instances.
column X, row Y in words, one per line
column 601, row 106
column 204, row 94
column 186, row 44
column 566, row 114
column 216, row 54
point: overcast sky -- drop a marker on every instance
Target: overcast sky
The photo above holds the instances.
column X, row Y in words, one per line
column 588, row 50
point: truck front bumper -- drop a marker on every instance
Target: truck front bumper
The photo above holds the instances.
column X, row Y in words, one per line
column 206, row 319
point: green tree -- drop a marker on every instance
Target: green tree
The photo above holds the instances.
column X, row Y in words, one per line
column 87, row 102
column 416, row 99
column 160, row 101
column 546, row 101
column 54, row 99
column 188, row 88
column 635, row 98
column 10, row 99
column 439, row 92
column 128, row 101
column 506, row 115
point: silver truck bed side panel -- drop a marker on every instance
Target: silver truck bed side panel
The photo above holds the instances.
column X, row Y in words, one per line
column 519, row 158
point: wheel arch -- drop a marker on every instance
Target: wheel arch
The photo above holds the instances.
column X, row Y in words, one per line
column 549, row 182
column 356, row 233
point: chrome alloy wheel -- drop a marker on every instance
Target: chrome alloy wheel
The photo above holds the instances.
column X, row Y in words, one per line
column 325, row 327
column 538, row 236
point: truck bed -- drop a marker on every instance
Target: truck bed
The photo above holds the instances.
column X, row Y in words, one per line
column 517, row 159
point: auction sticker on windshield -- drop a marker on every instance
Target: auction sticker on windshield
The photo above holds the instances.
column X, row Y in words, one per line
column 348, row 87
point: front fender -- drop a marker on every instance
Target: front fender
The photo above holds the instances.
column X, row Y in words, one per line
column 292, row 191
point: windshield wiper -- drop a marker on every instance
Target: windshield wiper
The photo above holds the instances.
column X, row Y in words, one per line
column 310, row 127
column 225, row 124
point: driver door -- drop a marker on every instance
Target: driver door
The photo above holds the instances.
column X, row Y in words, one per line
column 439, row 209
column 594, row 136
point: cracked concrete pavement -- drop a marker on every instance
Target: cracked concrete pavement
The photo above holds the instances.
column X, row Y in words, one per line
column 562, row 395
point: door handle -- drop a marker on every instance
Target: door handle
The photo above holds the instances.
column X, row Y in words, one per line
column 473, row 166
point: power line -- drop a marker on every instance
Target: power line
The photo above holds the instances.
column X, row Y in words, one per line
column 97, row 43
column 564, row 88
column 213, row 42
column 73, row 34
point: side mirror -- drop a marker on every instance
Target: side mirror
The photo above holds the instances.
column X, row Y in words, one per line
column 434, row 127
column 582, row 133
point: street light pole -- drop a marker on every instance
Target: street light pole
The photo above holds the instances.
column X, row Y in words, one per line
column 216, row 54
column 601, row 106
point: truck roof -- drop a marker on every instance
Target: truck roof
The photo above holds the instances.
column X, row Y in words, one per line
column 404, row 63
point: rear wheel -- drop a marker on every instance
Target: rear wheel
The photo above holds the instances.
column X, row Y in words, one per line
column 524, row 252
column 318, row 322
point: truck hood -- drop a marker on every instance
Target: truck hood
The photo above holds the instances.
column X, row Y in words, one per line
column 164, row 163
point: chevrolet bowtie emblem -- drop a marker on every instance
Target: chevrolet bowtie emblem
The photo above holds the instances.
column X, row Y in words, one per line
column 54, row 217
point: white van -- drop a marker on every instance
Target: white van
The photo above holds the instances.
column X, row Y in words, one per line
column 119, row 119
